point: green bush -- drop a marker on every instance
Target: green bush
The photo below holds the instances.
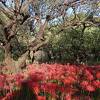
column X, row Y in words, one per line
column 72, row 45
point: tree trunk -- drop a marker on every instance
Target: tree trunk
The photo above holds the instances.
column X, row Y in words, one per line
column 8, row 19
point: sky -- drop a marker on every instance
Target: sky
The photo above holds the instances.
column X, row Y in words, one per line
column 69, row 11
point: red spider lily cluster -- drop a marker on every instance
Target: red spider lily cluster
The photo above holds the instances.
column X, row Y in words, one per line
column 57, row 81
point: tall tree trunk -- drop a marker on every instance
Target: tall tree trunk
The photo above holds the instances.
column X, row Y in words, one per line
column 10, row 22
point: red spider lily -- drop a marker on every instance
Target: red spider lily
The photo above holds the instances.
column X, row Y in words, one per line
column 96, row 83
column 1, row 97
column 90, row 69
column 72, row 69
column 84, row 83
column 1, row 84
column 7, row 87
column 41, row 77
column 90, row 88
column 87, row 86
column 68, row 97
column 88, row 75
column 18, row 79
column 36, row 88
column 2, row 80
column 41, row 98
column 69, row 80
column 82, row 97
column 98, row 75
column 37, row 76
column 67, row 89
column 19, row 76
column 50, row 88
column 2, row 77
column 53, row 72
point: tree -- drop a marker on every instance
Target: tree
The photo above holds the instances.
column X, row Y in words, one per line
column 17, row 15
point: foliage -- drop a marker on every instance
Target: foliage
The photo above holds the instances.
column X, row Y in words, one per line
column 55, row 81
column 72, row 45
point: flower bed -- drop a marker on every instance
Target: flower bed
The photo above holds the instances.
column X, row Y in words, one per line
column 52, row 81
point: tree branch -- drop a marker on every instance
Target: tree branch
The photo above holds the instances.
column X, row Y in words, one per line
column 7, row 11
